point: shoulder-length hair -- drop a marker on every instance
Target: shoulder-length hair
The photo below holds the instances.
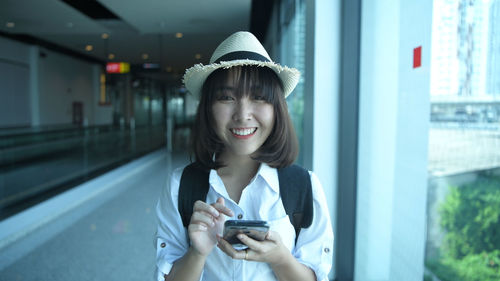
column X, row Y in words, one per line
column 281, row 147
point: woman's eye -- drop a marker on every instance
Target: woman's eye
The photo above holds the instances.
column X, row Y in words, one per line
column 259, row 97
column 225, row 98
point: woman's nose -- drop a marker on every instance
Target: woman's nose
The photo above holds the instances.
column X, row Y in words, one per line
column 243, row 110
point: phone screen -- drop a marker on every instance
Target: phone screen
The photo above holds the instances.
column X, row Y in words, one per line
column 252, row 228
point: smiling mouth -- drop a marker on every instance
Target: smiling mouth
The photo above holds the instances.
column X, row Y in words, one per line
column 243, row 132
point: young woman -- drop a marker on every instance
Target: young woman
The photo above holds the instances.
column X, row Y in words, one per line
column 242, row 135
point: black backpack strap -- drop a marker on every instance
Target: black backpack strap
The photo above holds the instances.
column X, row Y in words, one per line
column 296, row 195
column 194, row 186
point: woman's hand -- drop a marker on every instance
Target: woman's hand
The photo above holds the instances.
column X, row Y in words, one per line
column 271, row 250
column 206, row 225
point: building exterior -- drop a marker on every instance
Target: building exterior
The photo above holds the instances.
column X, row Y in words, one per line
column 493, row 76
column 465, row 48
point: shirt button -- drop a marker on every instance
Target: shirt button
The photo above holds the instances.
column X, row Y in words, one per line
column 163, row 245
column 240, row 216
column 327, row 250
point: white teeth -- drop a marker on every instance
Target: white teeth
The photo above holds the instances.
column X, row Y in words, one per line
column 243, row 132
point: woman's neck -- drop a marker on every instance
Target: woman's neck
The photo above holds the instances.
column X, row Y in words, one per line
column 235, row 165
column 237, row 174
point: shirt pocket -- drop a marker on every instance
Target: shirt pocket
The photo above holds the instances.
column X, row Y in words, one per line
column 285, row 229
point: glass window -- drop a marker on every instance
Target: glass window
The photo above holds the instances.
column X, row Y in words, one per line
column 463, row 241
column 292, row 27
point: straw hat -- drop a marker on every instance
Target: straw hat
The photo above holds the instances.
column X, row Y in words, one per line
column 241, row 48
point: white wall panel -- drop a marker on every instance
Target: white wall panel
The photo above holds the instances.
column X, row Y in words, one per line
column 62, row 81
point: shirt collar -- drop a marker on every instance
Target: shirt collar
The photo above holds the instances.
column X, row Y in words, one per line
column 270, row 175
column 217, row 183
column 267, row 173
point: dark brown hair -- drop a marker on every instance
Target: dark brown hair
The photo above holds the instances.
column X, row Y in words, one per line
column 281, row 147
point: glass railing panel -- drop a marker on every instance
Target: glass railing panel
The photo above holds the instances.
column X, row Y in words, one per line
column 42, row 164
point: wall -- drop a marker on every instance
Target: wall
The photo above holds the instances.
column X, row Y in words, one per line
column 14, row 92
column 393, row 136
column 62, row 81
column 39, row 87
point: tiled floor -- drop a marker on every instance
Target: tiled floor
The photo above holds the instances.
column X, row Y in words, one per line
column 108, row 237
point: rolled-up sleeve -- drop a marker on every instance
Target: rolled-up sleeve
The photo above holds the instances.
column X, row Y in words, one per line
column 171, row 236
column 314, row 247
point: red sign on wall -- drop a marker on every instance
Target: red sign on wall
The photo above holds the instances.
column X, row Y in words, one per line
column 417, row 57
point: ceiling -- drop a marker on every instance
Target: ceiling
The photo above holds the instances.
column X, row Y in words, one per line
column 141, row 27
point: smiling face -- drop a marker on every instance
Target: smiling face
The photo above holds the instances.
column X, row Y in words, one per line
column 243, row 117
column 243, row 112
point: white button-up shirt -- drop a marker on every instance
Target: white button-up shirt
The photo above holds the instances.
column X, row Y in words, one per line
column 260, row 200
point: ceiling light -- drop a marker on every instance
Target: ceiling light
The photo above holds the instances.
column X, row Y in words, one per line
column 89, row 48
column 104, row 36
column 145, row 56
column 179, row 35
column 197, row 56
column 111, row 56
column 10, row 24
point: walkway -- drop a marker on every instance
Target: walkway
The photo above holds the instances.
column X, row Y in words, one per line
column 100, row 230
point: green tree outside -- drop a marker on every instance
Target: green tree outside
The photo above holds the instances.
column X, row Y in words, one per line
column 470, row 217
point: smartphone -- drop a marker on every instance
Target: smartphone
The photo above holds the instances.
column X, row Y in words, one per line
column 254, row 229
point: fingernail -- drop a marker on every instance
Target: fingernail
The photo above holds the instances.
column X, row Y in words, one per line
column 240, row 236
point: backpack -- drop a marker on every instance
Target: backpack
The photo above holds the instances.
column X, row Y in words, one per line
column 296, row 196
